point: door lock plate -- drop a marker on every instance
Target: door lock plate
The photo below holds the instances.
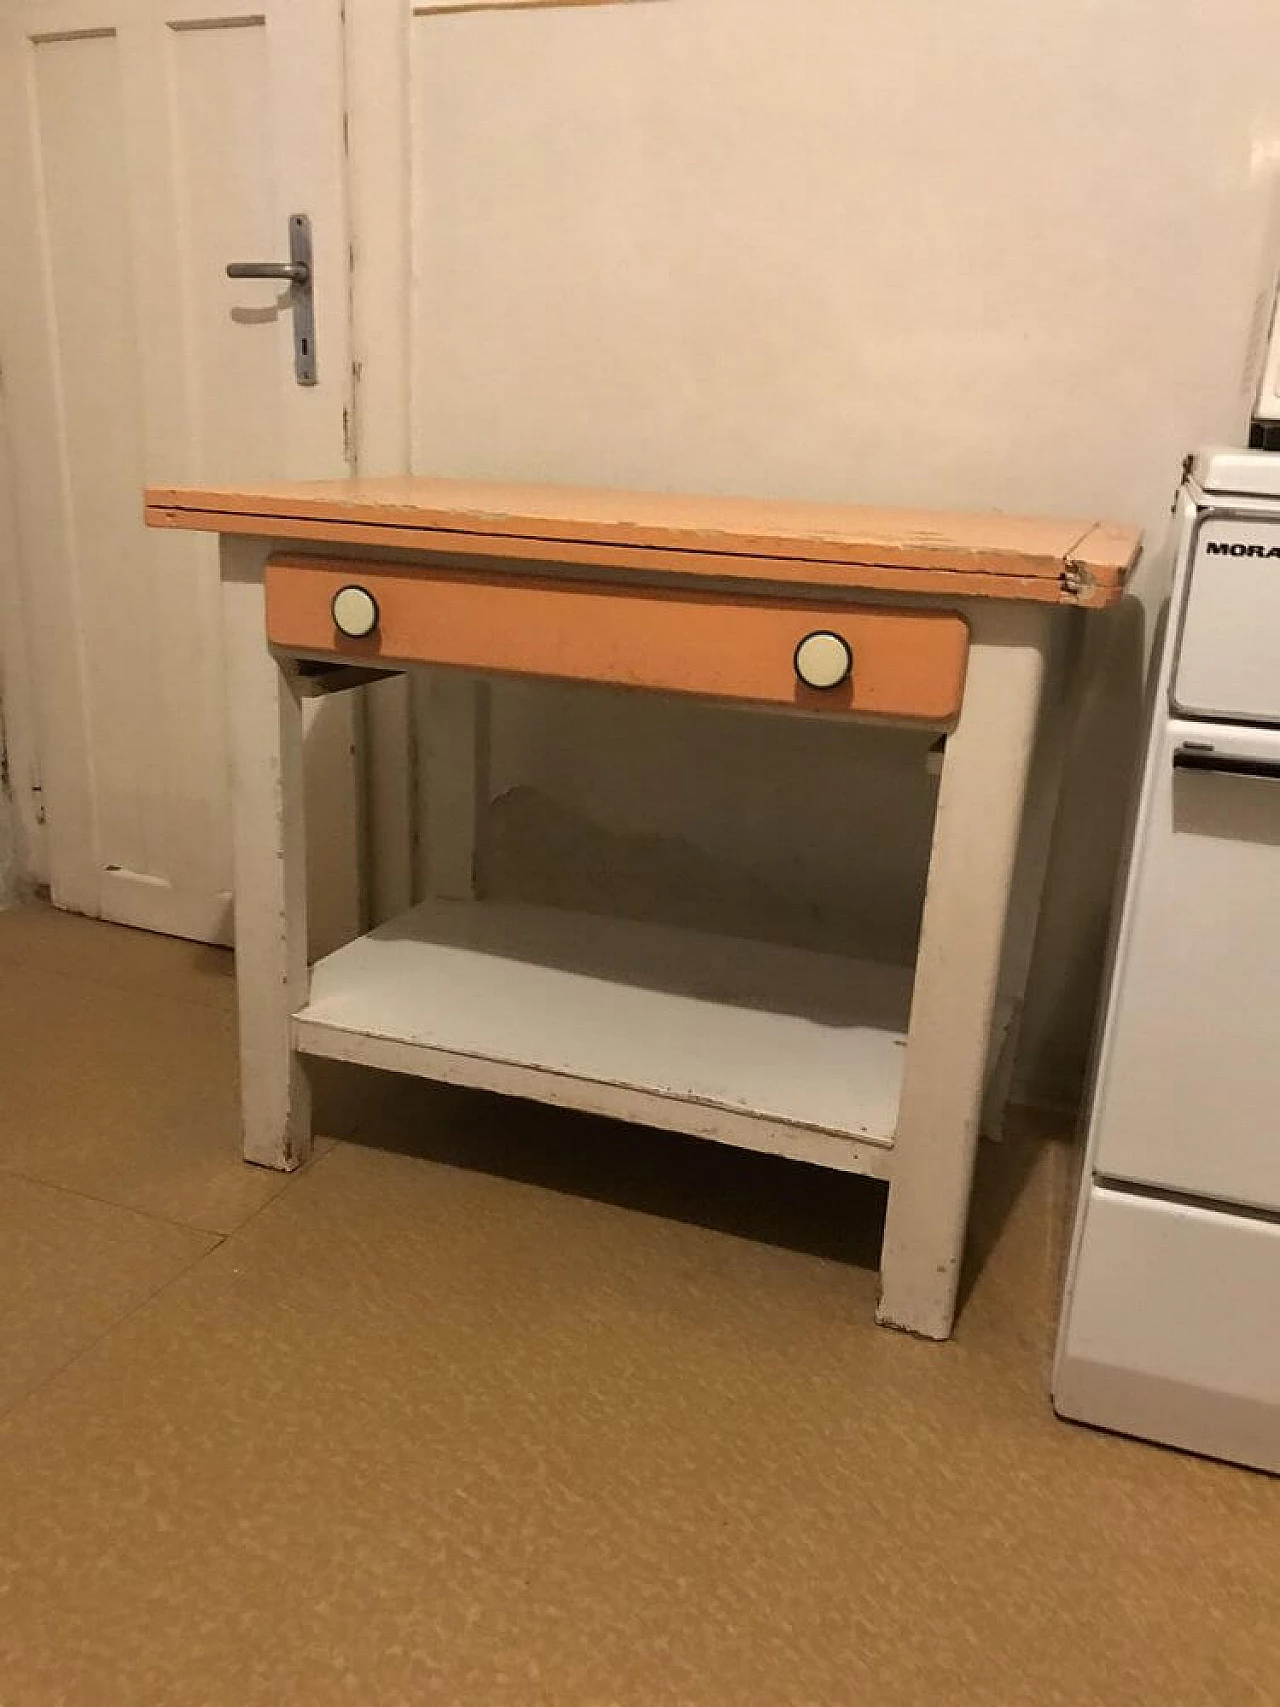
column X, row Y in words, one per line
column 301, row 277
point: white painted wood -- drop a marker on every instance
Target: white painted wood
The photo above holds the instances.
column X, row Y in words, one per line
column 333, row 744
column 1170, row 1327
column 390, row 797
column 52, row 107
column 806, row 1055
column 453, row 718
column 615, row 1102
column 29, row 853
column 1000, row 1064
column 378, row 194
column 265, row 727
column 378, row 188
column 447, row 720
column 1061, row 700
column 146, row 142
column 980, row 809
column 813, row 1041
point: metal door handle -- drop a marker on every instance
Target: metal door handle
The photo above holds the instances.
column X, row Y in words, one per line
column 297, row 270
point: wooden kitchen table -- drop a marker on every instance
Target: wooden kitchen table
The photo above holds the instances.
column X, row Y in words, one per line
column 959, row 624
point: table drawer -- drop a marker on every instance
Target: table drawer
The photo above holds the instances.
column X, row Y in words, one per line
column 857, row 659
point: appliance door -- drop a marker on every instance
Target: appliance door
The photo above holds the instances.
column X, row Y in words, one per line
column 1170, row 1327
column 1189, row 1076
column 1229, row 652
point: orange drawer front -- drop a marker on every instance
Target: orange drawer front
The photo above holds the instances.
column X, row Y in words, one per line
column 903, row 663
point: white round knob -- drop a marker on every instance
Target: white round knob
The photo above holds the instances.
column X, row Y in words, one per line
column 823, row 659
column 355, row 612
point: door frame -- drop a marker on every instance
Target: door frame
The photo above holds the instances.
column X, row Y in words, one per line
column 426, row 739
column 20, row 791
column 376, row 45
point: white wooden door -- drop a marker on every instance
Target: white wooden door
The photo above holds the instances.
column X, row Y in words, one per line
column 143, row 145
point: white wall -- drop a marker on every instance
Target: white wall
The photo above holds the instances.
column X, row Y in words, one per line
column 893, row 250
column 991, row 254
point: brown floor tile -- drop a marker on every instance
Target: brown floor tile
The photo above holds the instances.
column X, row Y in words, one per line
column 533, row 1409
column 71, row 1268
column 45, row 940
column 124, row 1097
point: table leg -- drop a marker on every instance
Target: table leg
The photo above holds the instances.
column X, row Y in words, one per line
column 1044, row 790
column 453, row 763
column 981, row 799
column 269, row 839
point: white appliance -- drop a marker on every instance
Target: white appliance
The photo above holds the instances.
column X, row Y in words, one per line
column 1171, row 1318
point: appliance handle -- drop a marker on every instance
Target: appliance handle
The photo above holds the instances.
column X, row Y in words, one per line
column 1229, row 757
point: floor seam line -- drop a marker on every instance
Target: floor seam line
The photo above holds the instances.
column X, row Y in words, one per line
column 11, row 1409
column 287, row 1179
column 110, row 1203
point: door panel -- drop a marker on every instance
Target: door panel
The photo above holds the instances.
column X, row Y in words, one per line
column 1189, row 1082
column 1169, row 1329
column 221, row 99
column 80, row 157
column 145, row 144
column 1229, row 650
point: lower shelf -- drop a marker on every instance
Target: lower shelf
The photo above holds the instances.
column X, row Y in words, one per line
column 753, row 1044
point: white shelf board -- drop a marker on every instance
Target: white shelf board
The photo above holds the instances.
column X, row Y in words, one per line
column 754, row 1044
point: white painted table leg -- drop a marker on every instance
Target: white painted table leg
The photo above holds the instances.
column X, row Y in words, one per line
column 1040, row 816
column 270, row 867
column 453, row 760
column 980, row 809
